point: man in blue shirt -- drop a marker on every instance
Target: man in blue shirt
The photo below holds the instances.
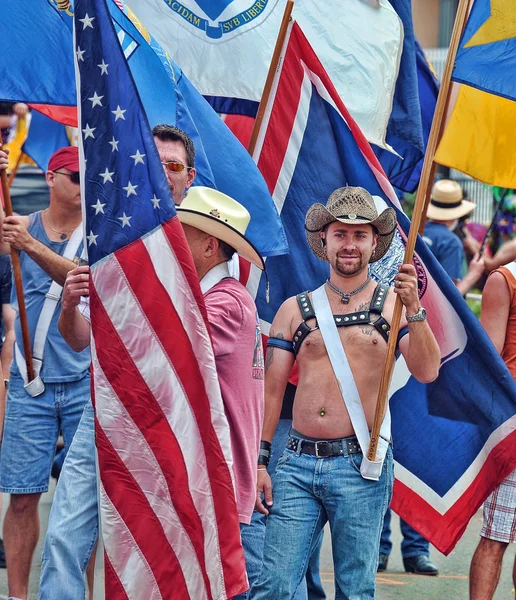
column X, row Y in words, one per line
column 33, row 418
column 446, row 207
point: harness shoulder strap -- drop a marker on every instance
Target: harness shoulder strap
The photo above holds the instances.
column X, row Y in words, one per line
column 52, row 298
column 305, row 306
column 348, row 387
column 307, row 312
column 378, row 300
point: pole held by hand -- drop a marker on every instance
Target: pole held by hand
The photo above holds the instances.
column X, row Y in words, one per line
column 418, row 216
column 15, row 259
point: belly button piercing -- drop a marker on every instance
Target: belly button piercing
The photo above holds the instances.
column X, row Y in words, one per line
column 323, row 411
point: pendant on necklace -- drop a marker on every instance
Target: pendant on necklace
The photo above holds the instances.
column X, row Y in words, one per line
column 63, row 236
column 345, row 299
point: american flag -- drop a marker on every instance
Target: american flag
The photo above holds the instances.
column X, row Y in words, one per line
column 167, row 505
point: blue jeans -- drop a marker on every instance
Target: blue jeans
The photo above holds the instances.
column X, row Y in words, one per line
column 253, row 535
column 73, row 522
column 31, row 429
column 307, row 493
column 413, row 544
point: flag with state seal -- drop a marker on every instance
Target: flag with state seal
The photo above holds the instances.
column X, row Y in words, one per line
column 453, row 439
column 168, row 515
column 225, row 49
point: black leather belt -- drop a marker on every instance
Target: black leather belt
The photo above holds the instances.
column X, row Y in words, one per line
column 324, row 448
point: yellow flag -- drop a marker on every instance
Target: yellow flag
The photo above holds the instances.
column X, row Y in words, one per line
column 480, row 138
column 16, row 143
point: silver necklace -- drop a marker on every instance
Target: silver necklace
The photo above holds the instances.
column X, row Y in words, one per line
column 345, row 297
column 63, row 234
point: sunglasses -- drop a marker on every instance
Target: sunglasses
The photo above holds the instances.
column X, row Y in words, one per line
column 75, row 177
column 175, row 167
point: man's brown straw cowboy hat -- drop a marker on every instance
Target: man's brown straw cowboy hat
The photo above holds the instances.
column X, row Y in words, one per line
column 353, row 206
column 446, row 202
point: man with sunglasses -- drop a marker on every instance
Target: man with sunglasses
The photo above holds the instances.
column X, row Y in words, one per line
column 37, row 411
column 177, row 154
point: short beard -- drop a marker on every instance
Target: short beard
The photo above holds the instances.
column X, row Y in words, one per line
column 351, row 269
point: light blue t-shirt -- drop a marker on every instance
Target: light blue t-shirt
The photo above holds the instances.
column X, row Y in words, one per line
column 60, row 362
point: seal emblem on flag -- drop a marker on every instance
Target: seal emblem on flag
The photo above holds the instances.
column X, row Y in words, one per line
column 220, row 20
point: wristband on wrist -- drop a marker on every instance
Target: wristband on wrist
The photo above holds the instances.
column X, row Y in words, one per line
column 265, row 453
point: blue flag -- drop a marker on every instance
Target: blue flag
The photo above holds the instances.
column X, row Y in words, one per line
column 166, row 95
column 486, row 58
column 466, row 416
column 44, row 138
column 404, row 171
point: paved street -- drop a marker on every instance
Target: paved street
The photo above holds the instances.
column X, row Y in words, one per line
column 395, row 584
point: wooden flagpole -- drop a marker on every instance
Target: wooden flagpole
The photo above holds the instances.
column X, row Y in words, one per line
column 423, row 191
column 270, row 76
column 15, row 259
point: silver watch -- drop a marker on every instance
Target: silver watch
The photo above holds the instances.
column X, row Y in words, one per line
column 419, row 316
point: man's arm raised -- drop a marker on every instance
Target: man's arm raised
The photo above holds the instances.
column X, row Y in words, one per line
column 73, row 326
column 420, row 350
column 278, row 365
column 15, row 235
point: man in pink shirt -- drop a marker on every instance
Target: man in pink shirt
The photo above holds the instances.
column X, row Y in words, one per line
column 214, row 226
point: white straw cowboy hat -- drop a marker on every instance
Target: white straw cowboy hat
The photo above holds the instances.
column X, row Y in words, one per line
column 353, row 206
column 446, row 202
column 220, row 216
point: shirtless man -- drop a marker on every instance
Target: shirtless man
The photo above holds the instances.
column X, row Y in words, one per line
column 318, row 476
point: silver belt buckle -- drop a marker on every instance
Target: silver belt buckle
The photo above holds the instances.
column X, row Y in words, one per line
column 317, row 448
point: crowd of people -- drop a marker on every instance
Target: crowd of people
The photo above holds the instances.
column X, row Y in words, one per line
column 297, row 451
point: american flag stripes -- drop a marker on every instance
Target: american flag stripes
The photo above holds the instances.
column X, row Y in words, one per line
column 167, row 505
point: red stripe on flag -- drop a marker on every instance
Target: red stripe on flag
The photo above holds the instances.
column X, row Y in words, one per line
column 62, row 114
column 454, row 522
column 148, row 415
column 114, row 590
column 288, row 95
column 146, row 529
column 138, row 269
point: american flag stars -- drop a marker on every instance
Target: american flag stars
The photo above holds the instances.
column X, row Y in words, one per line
column 88, row 132
column 114, row 144
column 125, row 220
column 123, row 192
column 138, row 158
column 119, row 113
column 95, row 100
column 98, row 206
column 130, row 189
column 87, row 21
column 103, row 67
column 107, row 175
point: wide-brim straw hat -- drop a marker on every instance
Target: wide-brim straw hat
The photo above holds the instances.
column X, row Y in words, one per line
column 353, row 206
column 222, row 217
column 446, row 202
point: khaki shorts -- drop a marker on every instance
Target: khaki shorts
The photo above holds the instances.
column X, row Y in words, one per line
column 500, row 512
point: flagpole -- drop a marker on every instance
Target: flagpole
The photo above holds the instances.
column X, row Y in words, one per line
column 423, row 192
column 14, row 172
column 15, row 259
column 270, row 76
